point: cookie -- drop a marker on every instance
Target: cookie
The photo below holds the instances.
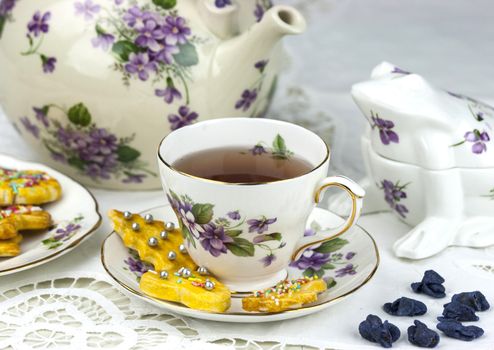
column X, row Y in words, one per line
column 27, row 187
column 20, row 217
column 285, row 295
column 175, row 276
column 10, row 247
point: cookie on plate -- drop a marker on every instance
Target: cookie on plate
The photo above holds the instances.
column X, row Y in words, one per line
column 22, row 217
column 27, row 187
column 10, row 247
column 285, row 295
column 175, row 276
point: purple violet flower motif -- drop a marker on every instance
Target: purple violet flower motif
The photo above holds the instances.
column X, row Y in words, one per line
column 62, row 233
column 385, row 133
column 398, row 70
column 257, row 150
column 165, row 52
column 102, row 142
column 311, row 259
column 30, row 127
column 41, row 116
column 149, row 35
column 393, row 193
column 58, row 157
column 136, row 266
column 350, row 255
column 175, row 30
column 268, row 259
column 103, row 40
column 134, row 178
column 214, row 239
column 141, row 65
column 87, row 9
column 478, row 139
column 261, row 65
column 6, row 6
column 234, row 215
column 135, row 17
column 347, row 270
column 401, row 209
column 248, row 97
column 186, row 216
column 309, row 232
column 39, row 23
column 222, row 3
column 175, row 204
column 118, row 2
column 261, row 225
column 169, row 93
column 48, row 63
column 259, row 12
column 183, row 118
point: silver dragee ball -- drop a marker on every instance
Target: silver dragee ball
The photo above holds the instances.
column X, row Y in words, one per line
column 209, row 285
column 186, row 273
column 149, row 219
column 181, row 270
column 153, row 241
column 164, row 274
column 169, row 226
column 182, row 249
column 164, row 235
column 127, row 215
column 172, row 255
column 201, row 270
column 135, row 226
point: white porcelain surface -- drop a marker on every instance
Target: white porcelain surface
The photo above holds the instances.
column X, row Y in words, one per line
column 211, row 68
column 358, row 245
column 246, row 234
column 77, row 207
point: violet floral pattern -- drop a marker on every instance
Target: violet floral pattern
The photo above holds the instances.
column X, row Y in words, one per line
column 385, row 127
column 228, row 234
column 248, row 97
column 37, row 28
column 261, row 7
column 6, row 7
column 62, row 233
column 150, row 43
column 277, row 150
column 79, row 143
column 326, row 257
column 478, row 140
column 134, row 264
column 394, row 194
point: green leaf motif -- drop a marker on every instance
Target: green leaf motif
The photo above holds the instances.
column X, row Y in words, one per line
column 2, row 24
column 76, row 163
column 79, row 115
column 165, row 4
column 233, row 233
column 330, row 283
column 187, row 235
column 203, row 213
column 276, row 236
column 279, row 145
column 328, row 266
column 331, row 246
column 310, row 272
column 127, row 154
column 187, row 56
column 124, row 48
column 241, row 247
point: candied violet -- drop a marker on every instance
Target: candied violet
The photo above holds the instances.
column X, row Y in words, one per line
column 421, row 336
column 455, row 329
column 431, row 284
column 475, row 300
column 405, row 307
column 374, row 330
column 459, row 312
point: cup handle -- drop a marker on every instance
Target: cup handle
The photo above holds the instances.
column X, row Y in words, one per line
column 356, row 193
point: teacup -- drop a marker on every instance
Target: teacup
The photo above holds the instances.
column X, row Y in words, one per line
column 246, row 234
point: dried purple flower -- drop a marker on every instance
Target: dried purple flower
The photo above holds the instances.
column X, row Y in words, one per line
column 421, row 336
column 374, row 330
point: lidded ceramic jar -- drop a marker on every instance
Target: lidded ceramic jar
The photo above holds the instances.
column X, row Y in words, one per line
column 430, row 159
column 93, row 85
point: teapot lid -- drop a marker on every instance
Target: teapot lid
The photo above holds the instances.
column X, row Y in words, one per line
column 413, row 122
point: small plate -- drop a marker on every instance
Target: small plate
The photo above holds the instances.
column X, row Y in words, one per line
column 75, row 217
column 351, row 263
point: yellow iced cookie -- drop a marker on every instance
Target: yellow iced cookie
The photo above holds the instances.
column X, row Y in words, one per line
column 175, row 276
column 27, row 187
column 10, row 247
column 21, row 217
column 285, row 295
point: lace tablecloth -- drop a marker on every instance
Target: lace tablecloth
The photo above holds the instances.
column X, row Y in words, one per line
column 71, row 302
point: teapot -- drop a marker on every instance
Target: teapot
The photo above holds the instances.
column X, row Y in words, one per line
column 429, row 158
column 93, row 85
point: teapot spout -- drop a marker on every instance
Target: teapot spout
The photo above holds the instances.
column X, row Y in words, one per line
column 258, row 42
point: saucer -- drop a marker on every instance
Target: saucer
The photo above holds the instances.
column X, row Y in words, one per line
column 75, row 218
column 346, row 264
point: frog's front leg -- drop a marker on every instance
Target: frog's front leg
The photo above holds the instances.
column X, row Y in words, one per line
column 443, row 198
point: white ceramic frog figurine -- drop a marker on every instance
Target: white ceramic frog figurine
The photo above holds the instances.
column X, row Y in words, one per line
column 429, row 158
